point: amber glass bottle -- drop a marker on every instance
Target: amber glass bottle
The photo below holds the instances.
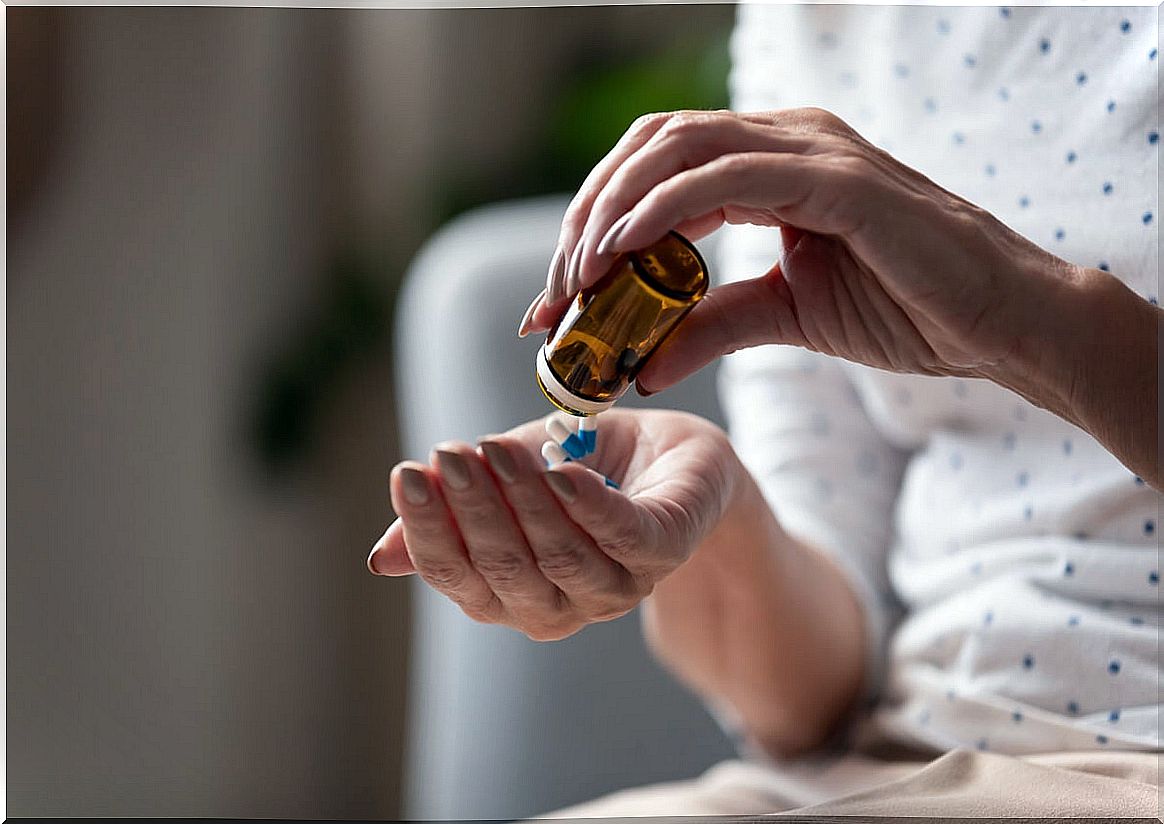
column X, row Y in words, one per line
column 592, row 355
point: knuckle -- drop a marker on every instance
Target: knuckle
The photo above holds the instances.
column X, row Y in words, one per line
column 442, row 575
column 689, row 126
column 503, row 567
column 826, row 119
column 486, row 613
column 622, row 542
column 646, row 122
column 563, row 561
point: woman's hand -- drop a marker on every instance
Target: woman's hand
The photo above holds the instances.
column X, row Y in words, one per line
column 549, row 551
column 881, row 266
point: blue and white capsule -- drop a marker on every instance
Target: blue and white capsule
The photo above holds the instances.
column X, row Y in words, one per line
column 569, row 441
column 554, row 454
column 588, row 432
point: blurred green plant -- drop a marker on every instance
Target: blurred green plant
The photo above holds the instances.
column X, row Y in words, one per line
column 347, row 324
column 591, row 114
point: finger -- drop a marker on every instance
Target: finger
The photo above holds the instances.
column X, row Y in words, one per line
column 496, row 546
column 730, row 317
column 527, row 322
column 566, row 555
column 684, row 142
column 389, row 555
column 821, row 194
column 576, row 213
column 616, row 524
column 434, row 544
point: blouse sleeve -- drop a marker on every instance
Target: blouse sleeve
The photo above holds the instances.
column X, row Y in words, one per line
column 800, row 428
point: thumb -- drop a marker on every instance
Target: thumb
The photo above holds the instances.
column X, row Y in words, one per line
column 730, row 317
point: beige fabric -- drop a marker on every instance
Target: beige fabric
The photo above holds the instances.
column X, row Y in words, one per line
column 961, row 783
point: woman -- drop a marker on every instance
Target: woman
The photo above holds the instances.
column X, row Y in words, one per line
column 933, row 528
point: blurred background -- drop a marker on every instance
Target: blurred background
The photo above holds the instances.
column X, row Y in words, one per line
column 210, row 213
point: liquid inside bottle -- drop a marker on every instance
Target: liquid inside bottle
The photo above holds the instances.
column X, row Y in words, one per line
column 596, row 350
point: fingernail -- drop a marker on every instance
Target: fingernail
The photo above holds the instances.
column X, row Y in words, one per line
column 523, row 327
column 500, row 461
column 373, row 556
column 453, row 469
column 572, row 271
column 555, row 280
column 643, row 393
column 606, row 245
column 561, row 486
column 415, row 486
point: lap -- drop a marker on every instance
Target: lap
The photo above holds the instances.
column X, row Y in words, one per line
column 960, row 783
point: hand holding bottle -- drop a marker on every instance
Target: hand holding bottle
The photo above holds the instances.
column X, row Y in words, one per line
column 881, row 266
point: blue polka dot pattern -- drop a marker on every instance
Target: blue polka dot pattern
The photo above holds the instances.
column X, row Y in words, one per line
column 1038, row 118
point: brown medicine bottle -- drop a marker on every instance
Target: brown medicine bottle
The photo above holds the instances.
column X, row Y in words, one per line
column 592, row 355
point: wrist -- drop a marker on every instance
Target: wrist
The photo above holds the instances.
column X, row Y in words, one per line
column 1087, row 352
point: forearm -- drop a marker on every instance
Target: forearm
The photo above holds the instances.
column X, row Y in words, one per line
column 763, row 623
column 1091, row 357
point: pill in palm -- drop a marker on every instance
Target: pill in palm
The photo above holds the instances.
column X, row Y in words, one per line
column 569, row 441
column 554, row 454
